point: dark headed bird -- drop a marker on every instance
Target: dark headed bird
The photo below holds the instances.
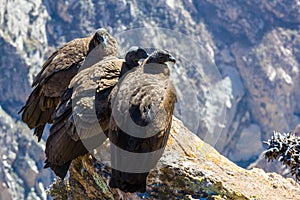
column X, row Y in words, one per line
column 142, row 108
column 57, row 72
column 84, row 106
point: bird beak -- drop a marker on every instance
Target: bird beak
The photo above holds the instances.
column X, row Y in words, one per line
column 104, row 43
column 172, row 59
column 103, row 40
column 145, row 55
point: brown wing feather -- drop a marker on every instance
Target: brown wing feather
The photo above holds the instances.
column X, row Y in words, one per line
column 63, row 58
column 54, row 78
column 99, row 80
column 49, row 84
column 43, row 101
column 77, row 103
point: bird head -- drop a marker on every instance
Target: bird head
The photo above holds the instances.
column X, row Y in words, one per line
column 101, row 37
column 161, row 57
column 134, row 55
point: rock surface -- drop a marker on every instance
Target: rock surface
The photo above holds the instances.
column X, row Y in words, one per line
column 189, row 169
column 254, row 44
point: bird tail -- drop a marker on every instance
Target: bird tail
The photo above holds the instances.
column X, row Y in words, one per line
column 60, row 171
column 64, row 145
column 61, row 149
column 38, row 131
column 37, row 111
column 121, row 144
column 128, row 182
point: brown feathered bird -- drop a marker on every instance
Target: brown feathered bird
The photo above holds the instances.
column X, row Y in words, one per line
column 142, row 109
column 84, row 106
column 56, row 73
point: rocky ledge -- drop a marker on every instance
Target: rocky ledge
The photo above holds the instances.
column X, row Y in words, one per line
column 189, row 169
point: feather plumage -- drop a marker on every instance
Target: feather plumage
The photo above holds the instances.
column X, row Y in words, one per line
column 56, row 73
column 142, row 109
column 84, row 106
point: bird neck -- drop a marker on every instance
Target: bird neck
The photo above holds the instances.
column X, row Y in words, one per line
column 92, row 45
column 131, row 63
column 156, row 68
column 150, row 60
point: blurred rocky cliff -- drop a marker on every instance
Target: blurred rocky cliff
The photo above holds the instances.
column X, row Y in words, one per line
column 255, row 45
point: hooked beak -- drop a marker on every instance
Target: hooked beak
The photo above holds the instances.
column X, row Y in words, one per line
column 145, row 55
column 172, row 59
column 103, row 40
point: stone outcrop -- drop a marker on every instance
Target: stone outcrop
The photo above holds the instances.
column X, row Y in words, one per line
column 188, row 169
